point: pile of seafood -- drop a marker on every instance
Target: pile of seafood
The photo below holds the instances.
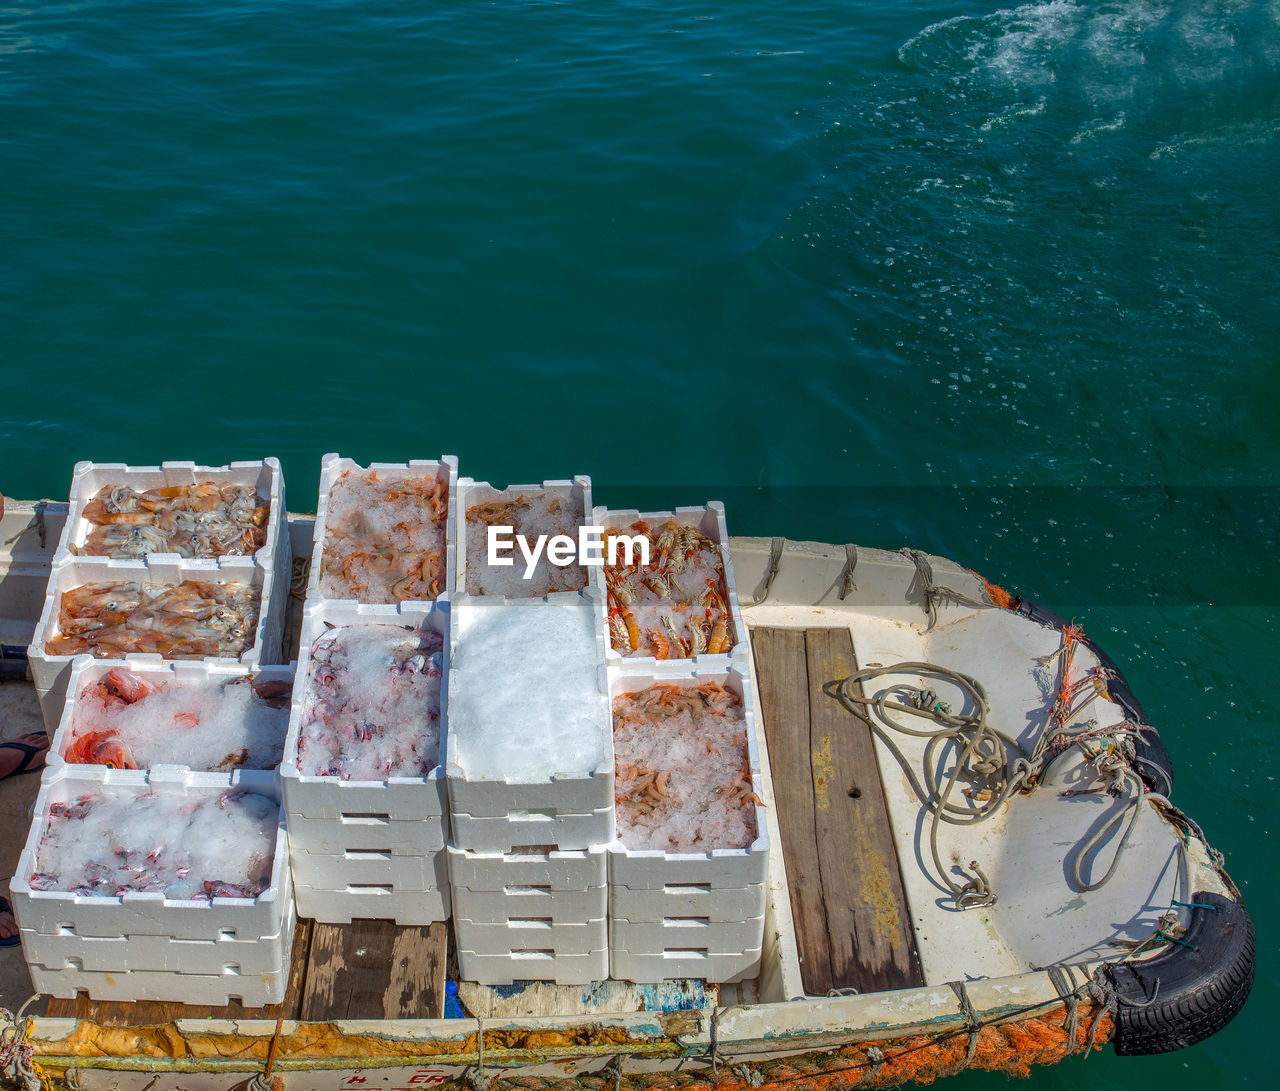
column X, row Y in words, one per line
column 110, row 841
column 683, row 779
column 373, row 708
column 529, row 514
column 675, row 608
column 188, row 620
column 128, row 721
column 200, row 520
column 385, row 536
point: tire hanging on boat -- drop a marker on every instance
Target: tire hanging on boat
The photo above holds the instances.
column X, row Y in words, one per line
column 1191, row 990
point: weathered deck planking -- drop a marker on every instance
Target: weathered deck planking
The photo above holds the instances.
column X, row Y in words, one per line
column 852, row 923
column 376, row 970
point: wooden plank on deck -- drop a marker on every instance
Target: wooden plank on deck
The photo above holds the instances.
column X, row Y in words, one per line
column 868, row 924
column 847, row 900
column 784, row 699
column 376, row 970
column 145, row 1013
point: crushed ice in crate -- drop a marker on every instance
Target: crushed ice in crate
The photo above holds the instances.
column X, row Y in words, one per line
column 187, row 620
column 524, row 697
column 130, row 721
column 529, row 513
column 204, row 519
column 675, row 608
column 191, row 846
column 683, row 780
column 373, row 705
column 384, row 535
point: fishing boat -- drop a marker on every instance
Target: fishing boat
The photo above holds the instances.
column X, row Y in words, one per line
column 979, row 864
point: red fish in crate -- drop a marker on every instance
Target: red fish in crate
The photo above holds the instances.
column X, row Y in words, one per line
column 100, row 748
column 121, row 686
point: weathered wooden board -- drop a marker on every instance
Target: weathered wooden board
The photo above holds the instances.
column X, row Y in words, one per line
column 852, row 923
column 868, row 924
column 783, row 678
column 142, row 1013
column 375, row 970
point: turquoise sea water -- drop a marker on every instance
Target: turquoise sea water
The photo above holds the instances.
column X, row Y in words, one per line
column 995, row 281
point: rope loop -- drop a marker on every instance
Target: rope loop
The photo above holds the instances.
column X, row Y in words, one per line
column 970, row 1017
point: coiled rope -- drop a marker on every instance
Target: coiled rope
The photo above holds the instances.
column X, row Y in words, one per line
column 991, row 766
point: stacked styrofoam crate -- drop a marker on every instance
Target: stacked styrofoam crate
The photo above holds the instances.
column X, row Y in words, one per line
column 365, row 848
column 268, row 570
column 534, row 914
column 142, row 945
column 181, row 672
column 334, row 466
column 577, row 493
column 527, row 857
column 710, row 522
column 690, row 914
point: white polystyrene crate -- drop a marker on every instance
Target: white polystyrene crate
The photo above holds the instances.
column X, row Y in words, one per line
column 374, row 901
column 343, row 803
column 362, row 831
column 89, row 478
column 550, row 871
column 86, row 672
column 146, row 916
column 561, row 793
column 724, row 903
column 215, row 990
column 525, row 826
column 530, row 902
column 710, row 521
column 654, row 869
column 370, row 867
column 51, row 672
column 556, row 932
column 471, row 492
column 333, row 466
column 533, row 964
column 110, row 954
column 686, row 933
column 650, row 967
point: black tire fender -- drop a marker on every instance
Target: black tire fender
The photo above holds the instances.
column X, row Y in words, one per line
column 1193, row 988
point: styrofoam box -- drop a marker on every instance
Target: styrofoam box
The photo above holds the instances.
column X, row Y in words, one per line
column 502, row 833
column 559, row 933
column 148, row 932
column 530, row 903
column 551, row 872
column 108, row 954
column 686, row 933
column 530, row 808
column 327, row 815
column 471, row 492
column 52, row 672
column 357, row 832
column 374, row 901
column 725, row 903
column 693, row 962
column 654, row 869
column 420, row 871
column 215, row 990
column 89, row 478
column 86, row 671
column 333, row 466
column 710, row 521
column 534, row 963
